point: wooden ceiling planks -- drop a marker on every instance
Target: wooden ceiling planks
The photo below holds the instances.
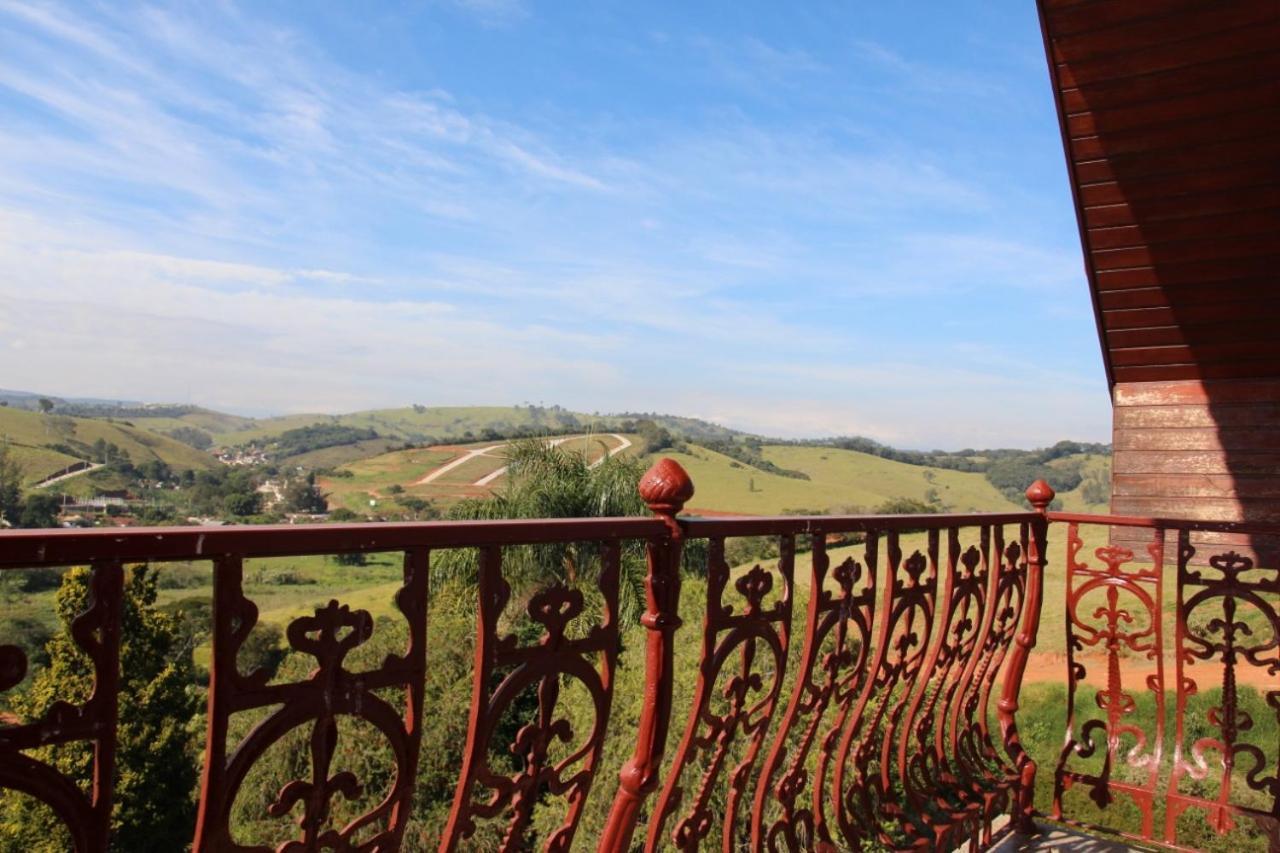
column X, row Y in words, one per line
column 1170, row 116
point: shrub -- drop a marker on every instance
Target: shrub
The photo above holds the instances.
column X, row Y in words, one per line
column 155, row 764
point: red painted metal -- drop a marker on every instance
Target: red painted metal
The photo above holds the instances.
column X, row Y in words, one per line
column 867, row 784
column 665, row 488
column 749, row 691
column 540, row 667
column 879, row 736
column 845, row 620
column 1225, row 622
column 97, row 633
column 1214, row 627
column 1039, row 495
column 328, row 635
column 1127, row 624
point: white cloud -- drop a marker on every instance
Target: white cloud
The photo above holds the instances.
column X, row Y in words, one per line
column 204, row 205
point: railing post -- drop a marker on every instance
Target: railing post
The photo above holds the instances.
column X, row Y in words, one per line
column 665, row 488
column 1039, row 494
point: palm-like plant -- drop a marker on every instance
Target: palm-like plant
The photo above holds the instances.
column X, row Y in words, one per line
column 548, row 481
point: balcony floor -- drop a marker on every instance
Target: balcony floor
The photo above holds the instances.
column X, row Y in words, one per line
column 1061, row 838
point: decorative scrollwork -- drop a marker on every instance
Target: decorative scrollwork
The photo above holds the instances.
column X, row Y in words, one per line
column 331, row 691
column 540, row 667
column 96, row 632
column 1126, row 625
column 983, row 778
column 1227, row 617
column 936, row 807
column 749, row 699
column 837, row 640
column 867, row 806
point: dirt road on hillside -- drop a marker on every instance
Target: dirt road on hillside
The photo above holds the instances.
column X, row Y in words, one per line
column 623, row 444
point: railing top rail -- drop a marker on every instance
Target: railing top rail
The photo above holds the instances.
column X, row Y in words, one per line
column 43, row 547
column 1168, row 523
column 697, row 527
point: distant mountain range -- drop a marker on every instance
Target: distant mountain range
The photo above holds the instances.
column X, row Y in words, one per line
column 31, row 400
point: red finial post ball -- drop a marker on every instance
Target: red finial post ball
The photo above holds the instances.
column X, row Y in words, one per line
column 1040, row 494
column 665, row 487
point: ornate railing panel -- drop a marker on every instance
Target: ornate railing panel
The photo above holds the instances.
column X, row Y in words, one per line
column 96, row 632
column 832, row 668
column 1227, row 620
column 1191, row 752
column 874, row 728
column 1113, row 607
column 743, row 660
column 331, row 692
column 334, row 691
column 884, row 736
column 504, row 670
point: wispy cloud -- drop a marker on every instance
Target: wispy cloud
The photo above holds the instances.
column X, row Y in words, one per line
column 206, row 201
column 924, row 77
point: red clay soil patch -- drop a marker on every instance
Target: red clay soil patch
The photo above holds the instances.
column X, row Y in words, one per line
column 1133, row 673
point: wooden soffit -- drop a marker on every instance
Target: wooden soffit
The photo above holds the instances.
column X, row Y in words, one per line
column 1170, row 115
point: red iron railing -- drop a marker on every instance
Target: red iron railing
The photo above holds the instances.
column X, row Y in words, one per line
column 834, row 706
column 1219, row 602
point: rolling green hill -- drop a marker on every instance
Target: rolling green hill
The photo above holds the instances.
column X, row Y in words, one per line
column 839, row 481
column 212, row 422
column 845, row 480
column 46, row 443
column 37, row 463
column 382, row 478
column 421, row 424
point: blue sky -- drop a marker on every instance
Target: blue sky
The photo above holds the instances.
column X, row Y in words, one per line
column 798, row 219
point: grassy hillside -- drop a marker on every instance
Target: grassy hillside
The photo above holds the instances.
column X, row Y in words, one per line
column 420, row 424
column 208, row 420
column 39, row 462
column 838, row 478
column 375, row 479
column 342, row 454
column 31, row 431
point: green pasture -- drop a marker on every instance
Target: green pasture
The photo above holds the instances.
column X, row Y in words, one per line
column 206, row 419
column 35, row 430
column 39, row 462
column 407, row 424
column 844, row 480
column 342, row 454
column 372, row 477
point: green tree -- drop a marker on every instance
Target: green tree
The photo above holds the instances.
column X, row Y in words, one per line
column 548, row 481
column 10, row 486
column 652, row 436
column 242, row 503
column 155, row 760
column 419, row 508
column 46, row 405
column 301, row 494
column 40, row 509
